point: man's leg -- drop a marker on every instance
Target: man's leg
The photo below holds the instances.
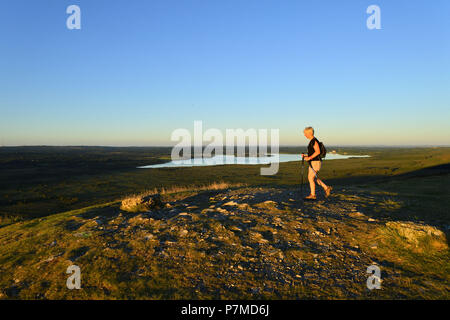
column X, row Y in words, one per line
column 317, row 165
column 323, row 185
column 312, row 183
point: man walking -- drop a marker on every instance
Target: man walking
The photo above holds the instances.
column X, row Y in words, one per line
column 315, row 163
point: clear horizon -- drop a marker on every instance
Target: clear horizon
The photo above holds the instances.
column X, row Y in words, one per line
column 137, row 71
column 281, row 145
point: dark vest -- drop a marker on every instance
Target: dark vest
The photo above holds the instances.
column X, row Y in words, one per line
column 311, row 149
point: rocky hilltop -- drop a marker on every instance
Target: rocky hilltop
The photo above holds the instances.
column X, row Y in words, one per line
column 241, row 242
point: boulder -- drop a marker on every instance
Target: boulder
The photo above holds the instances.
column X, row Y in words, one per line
column 416, row 232
column 141, row 203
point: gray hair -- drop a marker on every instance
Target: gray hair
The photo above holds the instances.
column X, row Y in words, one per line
column 310, row 129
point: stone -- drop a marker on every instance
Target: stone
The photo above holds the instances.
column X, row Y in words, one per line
column 415, row 232
column 230, row 203
column 141, row 203
column 183, row 233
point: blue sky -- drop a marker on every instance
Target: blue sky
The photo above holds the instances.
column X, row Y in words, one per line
column 139, row 69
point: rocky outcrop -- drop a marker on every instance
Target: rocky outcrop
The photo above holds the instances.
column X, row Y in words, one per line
column 414, row 233
column 141, row 203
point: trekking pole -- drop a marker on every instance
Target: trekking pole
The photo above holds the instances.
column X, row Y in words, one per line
column 301, row 185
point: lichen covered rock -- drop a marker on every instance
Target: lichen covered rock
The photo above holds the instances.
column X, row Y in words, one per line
column 141, row 203
column 415, row 233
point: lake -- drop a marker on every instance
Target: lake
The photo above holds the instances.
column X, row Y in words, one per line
column 225, row 159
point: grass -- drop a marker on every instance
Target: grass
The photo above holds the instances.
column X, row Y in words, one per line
column 426, row 262
column 187, row 188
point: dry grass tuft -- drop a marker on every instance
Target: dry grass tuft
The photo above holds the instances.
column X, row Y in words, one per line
column 146, row 200
column 189, row 188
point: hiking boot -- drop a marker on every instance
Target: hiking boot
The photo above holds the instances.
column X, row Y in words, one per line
column 310, row 197
column 328, row 191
